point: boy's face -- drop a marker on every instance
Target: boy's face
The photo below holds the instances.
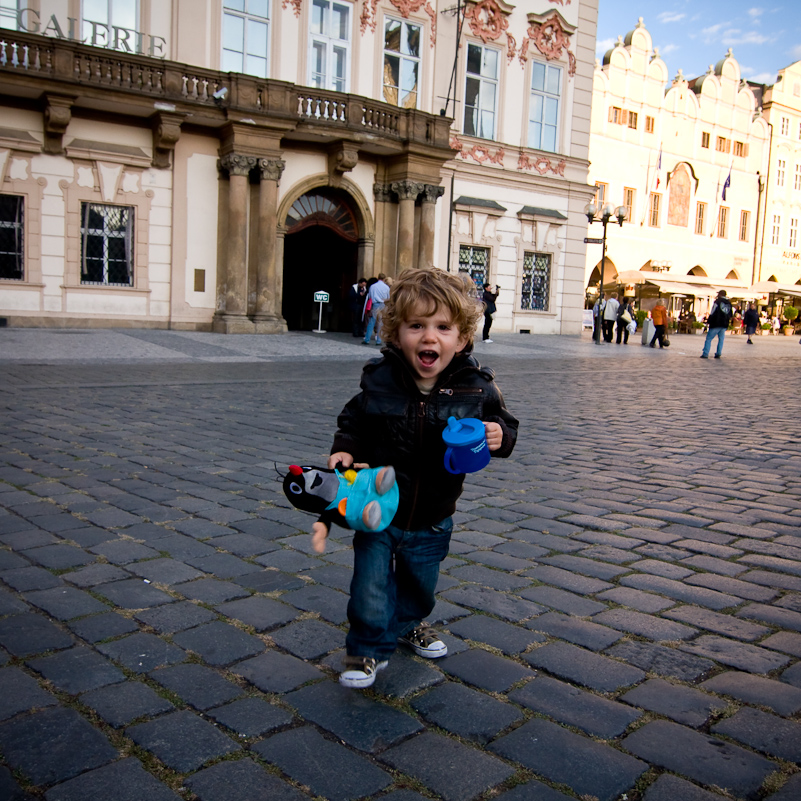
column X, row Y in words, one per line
column 429, row 342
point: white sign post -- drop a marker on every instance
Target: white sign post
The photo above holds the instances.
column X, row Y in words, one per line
column 320, row 297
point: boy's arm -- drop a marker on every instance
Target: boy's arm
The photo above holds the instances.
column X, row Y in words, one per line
column 349, row 438
column 495, row 411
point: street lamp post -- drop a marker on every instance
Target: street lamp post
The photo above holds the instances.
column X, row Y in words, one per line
column 603, row 215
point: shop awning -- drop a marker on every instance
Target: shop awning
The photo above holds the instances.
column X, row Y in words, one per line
column 773, row 288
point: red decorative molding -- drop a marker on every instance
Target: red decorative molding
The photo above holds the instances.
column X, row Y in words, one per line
column 407, row 7
column 550, row 39
column 369, row 16
column 478, row 153
column 296, row 4
column 486, row 20
column 565, row 3
column 541, row 164
column 511, row 47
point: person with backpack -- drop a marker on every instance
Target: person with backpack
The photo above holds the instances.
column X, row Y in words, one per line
column 719, row 319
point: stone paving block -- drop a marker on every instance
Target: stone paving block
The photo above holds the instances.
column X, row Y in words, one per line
column 9, row 789
column 330, row 770
column 287, row 561
column 649, row 626
column 465, row 712
column 182, row 740
column 787, row 642
column 404, row 676
column 573, row 629
column 212, row 591
column 23, row 540
column 65, row 603
column 29, row 633
column 179, row 616
column 664, row 569
column 269, row 581
column 793, row 675
column 567, row 704
column 142, row 652
column 125, row 780
column 25, row 579
column 772, row 563
column 219, row 643
column 662, row 660
column 625, row 542
column 671, row 788
column 701, row 758
column 353, row 718
column 567, row 602
column 455, row 771
column 120, row 704
column 681, row 591
column 133, row 594
column 223, row 565
column 588, row 767
column 709, row 548
column 520, row 550
column 178, row 546
column 567, row 581
column 585, row 566
column 259, row 612
column 11, row 605
column 584, row 667
column 548, row 534
column 764, row 732
column 507, row 638
column 607, row 553
column 715, row 565
column 20, row 693
column 201, row 529
column 242, row 780
column 308, row 639
column 58, row 557
column 791, row 791
column 53, row 745
column 742, row 589
column 485, row 670
column 123, row 552
column 751, row 658
column 636, row 599
column 11, row 561
column 95, row 574
column 251, row 717
column 77, row 670
column 336, row 576
column 714, row 621
column 500, row 560
column 165, row 571
column 102, row 627
column 274, row 672
column 489, row 577
column 768, row 579
column 503, row 605
column 776, row 695
column 775, row 616
column 197, row 685
column 682, row 704
column 533, row 791
column 329, row 604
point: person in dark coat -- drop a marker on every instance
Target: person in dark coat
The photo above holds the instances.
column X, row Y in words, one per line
column 489, row 297
column 751, row 322
column 357, row 295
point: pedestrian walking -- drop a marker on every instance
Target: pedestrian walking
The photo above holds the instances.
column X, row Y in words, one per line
column 659, row 316
column 625, row 315
column 426, row 374
column 597, row 310
column 751, row 321
column 609, row 317
column 357, row 296
column 719, row 318
column 377, row 296
column 489, row 297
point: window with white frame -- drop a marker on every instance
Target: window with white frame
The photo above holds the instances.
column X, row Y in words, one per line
column 329, row 54
column 600, row 193
column 543, row 112
column 797, row 180
column 12, row 236
column 653, row 210
column 744, row 218
column 700, row 217
column 628, row 201
column 793, row 241
column 777, row 229
column 535, row 289
column 245, row 36
column 401, row 62
column 8, row 13
column 781, row 165
column 119, row 13
column 785, row 126
column 481, row 91
column 475, row 261
column 723, row 219
column 107, row 244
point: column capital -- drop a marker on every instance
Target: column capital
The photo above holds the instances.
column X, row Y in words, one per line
column 407, row 190
column 237, row 164
column 271, row 169
column 431, row 193
column 382, row 193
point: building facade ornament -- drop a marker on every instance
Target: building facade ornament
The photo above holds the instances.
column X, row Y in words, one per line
column 237, row 164
column 383, row 193
column 296, row 5
column 166, row 133
column 271, row 169
column 432, row 193
column 541, row 164
column 407, row 190
column 488, row 19
column 57, row 116
column 369, row 15
column 479, row 153
column 550, row 38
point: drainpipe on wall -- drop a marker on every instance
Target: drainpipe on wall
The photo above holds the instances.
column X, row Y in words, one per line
column 767, row 192
column 760, row 187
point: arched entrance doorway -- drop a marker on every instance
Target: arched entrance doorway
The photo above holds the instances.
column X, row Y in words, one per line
column 320, row 254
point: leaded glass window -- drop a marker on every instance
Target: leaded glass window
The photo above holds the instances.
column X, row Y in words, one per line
column 107, row 237
column 536, row 288
column 12, row 231
column 474, row 262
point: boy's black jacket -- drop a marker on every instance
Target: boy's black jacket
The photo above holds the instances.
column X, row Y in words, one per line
column 391, row 423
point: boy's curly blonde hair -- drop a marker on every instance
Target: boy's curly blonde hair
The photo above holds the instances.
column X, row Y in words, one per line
column 427, row 290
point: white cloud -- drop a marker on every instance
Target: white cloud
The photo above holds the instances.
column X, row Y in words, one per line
column 602, row 45
column 667, row 49
column 796, row 51
column 733, row 38
column 763, row 77
column 712, row 30
column 670, row 16
column 755, row 13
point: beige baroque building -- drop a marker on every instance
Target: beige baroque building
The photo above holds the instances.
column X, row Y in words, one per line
column 688, row 160
column 212, row 164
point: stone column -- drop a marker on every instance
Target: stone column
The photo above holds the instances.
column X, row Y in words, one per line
column 267, row 318
column 384, row 231
column 232, row 317
column 407, row 192
column 429, row 197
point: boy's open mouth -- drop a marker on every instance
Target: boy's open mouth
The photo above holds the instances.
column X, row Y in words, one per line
column 427, row 357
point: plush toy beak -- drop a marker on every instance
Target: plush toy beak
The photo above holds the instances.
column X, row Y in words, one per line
column 295, row 470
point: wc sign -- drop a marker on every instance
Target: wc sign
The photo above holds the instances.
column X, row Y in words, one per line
column 320, row 297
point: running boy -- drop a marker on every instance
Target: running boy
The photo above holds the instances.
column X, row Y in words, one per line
column 426, row 375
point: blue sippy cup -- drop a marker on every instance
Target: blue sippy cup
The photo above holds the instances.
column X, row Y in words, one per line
column 467, row 450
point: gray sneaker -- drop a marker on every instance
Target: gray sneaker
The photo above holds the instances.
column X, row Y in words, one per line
column 425, row 642
column 360, row 671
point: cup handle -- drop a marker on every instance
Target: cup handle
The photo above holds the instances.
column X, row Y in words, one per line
column 449, row 461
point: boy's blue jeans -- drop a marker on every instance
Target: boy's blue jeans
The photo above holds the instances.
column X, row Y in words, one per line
column 720, row 333
column 395, row 575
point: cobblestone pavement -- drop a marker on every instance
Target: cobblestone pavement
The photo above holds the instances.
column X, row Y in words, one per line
column 622, row 601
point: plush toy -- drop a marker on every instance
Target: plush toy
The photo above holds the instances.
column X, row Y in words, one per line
column 364, row 500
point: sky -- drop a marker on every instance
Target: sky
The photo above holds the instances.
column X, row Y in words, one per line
column 692, row 34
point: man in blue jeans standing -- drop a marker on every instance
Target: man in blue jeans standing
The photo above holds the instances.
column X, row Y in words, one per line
column 719, row 319
column 379, row 292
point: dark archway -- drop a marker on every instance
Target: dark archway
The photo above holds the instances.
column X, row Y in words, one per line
column 320, row 254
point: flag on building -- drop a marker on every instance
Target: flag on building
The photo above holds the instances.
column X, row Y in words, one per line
column 658, row 166
column 726, row 183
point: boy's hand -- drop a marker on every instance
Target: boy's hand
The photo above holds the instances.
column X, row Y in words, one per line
column 343, row 460
column 494, row 435
column 319, row 536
